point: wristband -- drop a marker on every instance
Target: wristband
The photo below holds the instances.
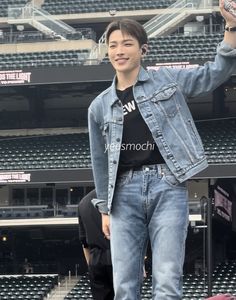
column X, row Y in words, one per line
column 227, row 28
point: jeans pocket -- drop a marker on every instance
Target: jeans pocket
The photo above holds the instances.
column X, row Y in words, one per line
column 171, row 180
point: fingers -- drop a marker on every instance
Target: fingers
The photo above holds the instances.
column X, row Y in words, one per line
column 106, row 226
column 106, row 231
column 228, row 16
column 221, row 4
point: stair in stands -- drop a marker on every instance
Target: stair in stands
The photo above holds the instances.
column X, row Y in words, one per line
column 40, row 19
column 63, row 288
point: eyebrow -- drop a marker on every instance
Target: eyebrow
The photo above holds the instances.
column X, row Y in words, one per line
column 124, row 41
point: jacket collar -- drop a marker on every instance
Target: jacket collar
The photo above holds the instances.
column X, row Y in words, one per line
column 143, row 76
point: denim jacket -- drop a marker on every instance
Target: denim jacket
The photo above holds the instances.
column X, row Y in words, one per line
column 161, row 98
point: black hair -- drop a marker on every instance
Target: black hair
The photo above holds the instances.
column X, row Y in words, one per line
column 128, row 26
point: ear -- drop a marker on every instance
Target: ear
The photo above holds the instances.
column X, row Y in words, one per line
column 144, row 49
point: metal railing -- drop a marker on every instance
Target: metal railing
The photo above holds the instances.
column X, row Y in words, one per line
column 46, row 19
column 174, row 11
column 37, row 36
column 206, row 29
column 39, row 19
column 37, row 211
column 96, row 54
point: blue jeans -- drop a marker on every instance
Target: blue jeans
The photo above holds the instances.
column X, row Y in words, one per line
column 148, row 204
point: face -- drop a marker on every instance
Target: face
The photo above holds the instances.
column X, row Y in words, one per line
column 124, row 52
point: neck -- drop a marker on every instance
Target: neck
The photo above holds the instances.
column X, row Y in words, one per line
column 124, row 80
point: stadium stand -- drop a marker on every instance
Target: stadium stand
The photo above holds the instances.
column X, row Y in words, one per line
column 45, row 152
column 35, row 36
column 72, row 150
column 36, row 211
column 56, row 248
column 43, row 59
column 161, row 49
column 183, row 48
column 194, row 285
column 5, row 3
column 26, row 286
column 81, row 290
column 224, row 280
column 219, row 140
column 80, row 6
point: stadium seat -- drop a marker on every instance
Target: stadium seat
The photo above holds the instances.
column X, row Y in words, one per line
column 26, row 287
column 62, row 151
column 43, row 59
column 77, row 6
column 72, row 150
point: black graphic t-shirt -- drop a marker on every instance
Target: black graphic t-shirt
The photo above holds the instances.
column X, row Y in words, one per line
column 138, row 147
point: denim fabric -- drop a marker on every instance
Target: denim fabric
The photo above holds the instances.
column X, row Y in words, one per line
column 161, row 98
column 159, row 209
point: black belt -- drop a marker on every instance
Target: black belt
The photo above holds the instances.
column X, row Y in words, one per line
column 142, row 168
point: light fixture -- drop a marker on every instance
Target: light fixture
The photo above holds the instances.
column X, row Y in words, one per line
column 199, row 18
column 112, row 12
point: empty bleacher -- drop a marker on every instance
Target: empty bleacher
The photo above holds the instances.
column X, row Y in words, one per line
column 37, row 211
column 81, row 290
column 161, row 49
column 15, row 212
column 219, row 140
column 176, row 48
column 45, row 152
column 9, row 61
column 90, row 6
column 35, row 36
column 72, row 150
column 194, row 285
column 5, row 3
column 26, row 286
column 224, row 282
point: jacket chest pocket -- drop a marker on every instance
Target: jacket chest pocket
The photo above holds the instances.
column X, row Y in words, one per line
column 166, row 101
column 111, row 129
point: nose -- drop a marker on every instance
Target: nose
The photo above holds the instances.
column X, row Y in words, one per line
column 120, row 50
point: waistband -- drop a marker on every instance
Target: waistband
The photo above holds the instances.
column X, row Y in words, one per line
column 160, row 168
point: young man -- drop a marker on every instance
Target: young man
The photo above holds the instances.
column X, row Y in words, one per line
column 96, row 249
column 144, row 146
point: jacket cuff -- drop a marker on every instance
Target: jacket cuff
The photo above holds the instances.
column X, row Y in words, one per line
column 101, row 205
column 225, row 49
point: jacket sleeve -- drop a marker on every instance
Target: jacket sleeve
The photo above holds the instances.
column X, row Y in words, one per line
column 204, row 79
column 99, row 161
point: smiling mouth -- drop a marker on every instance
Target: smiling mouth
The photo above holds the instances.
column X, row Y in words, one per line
column 121, row 59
